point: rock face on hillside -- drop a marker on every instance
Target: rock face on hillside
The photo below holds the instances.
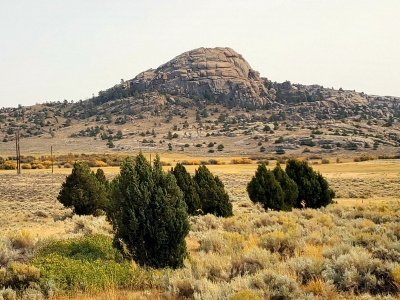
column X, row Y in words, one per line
column 219, row 73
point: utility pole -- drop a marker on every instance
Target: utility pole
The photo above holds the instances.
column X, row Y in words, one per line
column 51, row 153
column 18, row 151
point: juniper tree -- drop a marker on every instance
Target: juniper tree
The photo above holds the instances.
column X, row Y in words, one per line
column 213, row 197
column 101, row 177
column 148, row 214
column 82, row 192
column 188, row 187
column 265, row 189
column 327, row 194
column 314, row 190
column 289, row 187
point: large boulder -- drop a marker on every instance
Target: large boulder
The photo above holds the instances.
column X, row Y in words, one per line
column 219, row 73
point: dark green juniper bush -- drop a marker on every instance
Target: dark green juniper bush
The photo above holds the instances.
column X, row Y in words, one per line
column 83, row 192
column 148, row 214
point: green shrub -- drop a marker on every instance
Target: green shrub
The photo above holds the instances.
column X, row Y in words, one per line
column 82, row 192
column 213, row 161
column 213, row 197
column 148, row 214
column 75, row 274
column 89, row 263
column 188, row 187
column 89, row 248
column 265, row 189
column 313, row 189
column 280, row 151
column 289, row 187
column 101, row 177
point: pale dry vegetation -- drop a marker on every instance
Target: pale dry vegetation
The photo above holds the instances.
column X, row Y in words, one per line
column 348, row 250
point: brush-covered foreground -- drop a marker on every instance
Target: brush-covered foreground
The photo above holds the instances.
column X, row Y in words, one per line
column 349, row 250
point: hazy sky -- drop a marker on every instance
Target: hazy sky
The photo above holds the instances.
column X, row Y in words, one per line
column 53, row 50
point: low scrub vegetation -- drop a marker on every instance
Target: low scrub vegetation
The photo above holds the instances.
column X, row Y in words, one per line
column 66, row 161
column 241, row 160
column 364, row 158
column 328, row 253
column 331, row 252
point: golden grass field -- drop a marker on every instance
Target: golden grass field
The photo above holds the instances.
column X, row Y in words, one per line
column 29, row 207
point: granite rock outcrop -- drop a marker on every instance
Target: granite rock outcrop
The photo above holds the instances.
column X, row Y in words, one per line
column 213, row 73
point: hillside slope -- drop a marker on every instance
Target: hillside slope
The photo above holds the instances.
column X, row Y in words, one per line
column 202, row 99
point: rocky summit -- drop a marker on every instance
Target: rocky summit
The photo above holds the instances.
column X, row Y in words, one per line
column 213, row 73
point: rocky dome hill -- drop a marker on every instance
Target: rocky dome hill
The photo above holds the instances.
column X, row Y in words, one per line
column 219, row 73
column 206, row 97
